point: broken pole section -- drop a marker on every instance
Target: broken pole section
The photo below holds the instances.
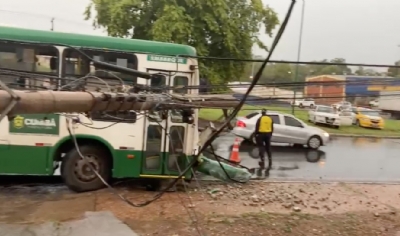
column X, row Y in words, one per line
column 44, row 102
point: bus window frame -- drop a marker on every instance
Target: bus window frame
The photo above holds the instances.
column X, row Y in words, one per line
column 91, row 52
column 115, row 116
column 34, row 46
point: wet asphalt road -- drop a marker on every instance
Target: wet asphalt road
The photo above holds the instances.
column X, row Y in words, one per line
column 343, row 159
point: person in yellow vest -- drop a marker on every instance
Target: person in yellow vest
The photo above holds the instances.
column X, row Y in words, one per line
column 263, row 134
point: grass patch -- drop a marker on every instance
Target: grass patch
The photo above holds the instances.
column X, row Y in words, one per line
column 392, row 127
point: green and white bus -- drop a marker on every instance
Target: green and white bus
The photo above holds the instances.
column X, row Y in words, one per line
column 40, row 144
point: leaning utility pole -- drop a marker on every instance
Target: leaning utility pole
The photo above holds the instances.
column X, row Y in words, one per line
column 43, row 102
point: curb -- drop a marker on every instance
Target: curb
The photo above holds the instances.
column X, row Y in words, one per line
column 362, row 136
column 338, row 135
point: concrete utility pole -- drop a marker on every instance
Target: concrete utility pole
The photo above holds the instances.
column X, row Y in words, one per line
column 299, row 51
column 44, row 102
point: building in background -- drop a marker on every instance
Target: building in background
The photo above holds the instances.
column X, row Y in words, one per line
column 358, row 90
column 325, row 89
column 263, row 95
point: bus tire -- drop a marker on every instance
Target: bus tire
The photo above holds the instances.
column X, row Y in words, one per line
column 153, row 185
column 76, row 173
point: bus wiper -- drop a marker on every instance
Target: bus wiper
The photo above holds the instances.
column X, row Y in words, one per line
column 120, row 69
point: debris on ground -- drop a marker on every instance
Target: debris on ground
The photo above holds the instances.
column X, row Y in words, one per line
column 256, row 208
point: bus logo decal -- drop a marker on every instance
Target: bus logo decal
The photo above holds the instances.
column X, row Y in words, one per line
column 35, row 124
column 18, row 122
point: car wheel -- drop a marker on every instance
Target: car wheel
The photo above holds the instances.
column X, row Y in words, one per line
column 358, row 123
column 311, row 106
column 301, row 105
column 314, row 142
column 153, row 185
column 76, row 173
column 254, row 153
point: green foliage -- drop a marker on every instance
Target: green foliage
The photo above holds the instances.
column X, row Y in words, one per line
column 395, row 72
column 281, row 73
column 216, row 28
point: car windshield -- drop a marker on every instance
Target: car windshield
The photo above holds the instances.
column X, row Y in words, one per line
column 326, row 109
column 370, row 113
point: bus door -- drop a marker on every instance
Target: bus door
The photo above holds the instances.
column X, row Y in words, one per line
column 165, row 143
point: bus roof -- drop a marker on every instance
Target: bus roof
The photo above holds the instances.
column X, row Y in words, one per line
column 90, row 41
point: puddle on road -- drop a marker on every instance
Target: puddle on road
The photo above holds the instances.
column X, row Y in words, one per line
column 34, row 187
column 283, row 168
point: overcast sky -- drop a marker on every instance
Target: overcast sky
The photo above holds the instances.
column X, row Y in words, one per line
column 361, row 31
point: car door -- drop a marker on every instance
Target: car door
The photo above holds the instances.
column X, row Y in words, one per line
column 346, row 118
column 311, row 114
column 278, row 134
column 308, row 102
column 294, row 131
column 354, row 115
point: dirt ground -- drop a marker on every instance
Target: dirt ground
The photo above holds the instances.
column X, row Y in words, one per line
column 257, row 208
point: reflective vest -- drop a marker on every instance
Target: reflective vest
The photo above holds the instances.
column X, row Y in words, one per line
column 265, row 125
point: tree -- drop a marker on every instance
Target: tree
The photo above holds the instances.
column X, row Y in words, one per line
column 280, row 72
column 218, row 28
column 330, row 69
column 395, row 72
column 368, row 72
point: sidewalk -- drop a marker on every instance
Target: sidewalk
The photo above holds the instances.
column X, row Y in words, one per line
column 94, row 224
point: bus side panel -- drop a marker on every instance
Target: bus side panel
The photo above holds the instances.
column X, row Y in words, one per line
column 20, row 153
column 127, row 163
column 123, row 140
column 23, row 160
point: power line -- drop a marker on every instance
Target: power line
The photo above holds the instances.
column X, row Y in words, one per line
column 291, row 62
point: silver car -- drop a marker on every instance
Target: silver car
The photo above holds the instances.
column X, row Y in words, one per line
column 287, row 129
column 343, row 105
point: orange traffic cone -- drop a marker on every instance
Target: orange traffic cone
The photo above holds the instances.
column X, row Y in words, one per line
column 234, row 158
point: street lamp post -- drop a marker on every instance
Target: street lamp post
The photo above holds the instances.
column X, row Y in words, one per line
column 298, row 52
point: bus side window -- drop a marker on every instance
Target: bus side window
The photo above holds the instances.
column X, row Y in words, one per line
column 115, row 116
column 28, row 58
column 77, row 66
column 113, row 79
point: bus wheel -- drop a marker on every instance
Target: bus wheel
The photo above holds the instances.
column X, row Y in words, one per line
column 78, row 175
column 153, row 185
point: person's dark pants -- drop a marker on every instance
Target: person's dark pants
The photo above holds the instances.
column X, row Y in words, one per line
column 264, row 145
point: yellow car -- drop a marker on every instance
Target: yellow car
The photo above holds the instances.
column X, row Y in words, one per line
column 368, row 118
